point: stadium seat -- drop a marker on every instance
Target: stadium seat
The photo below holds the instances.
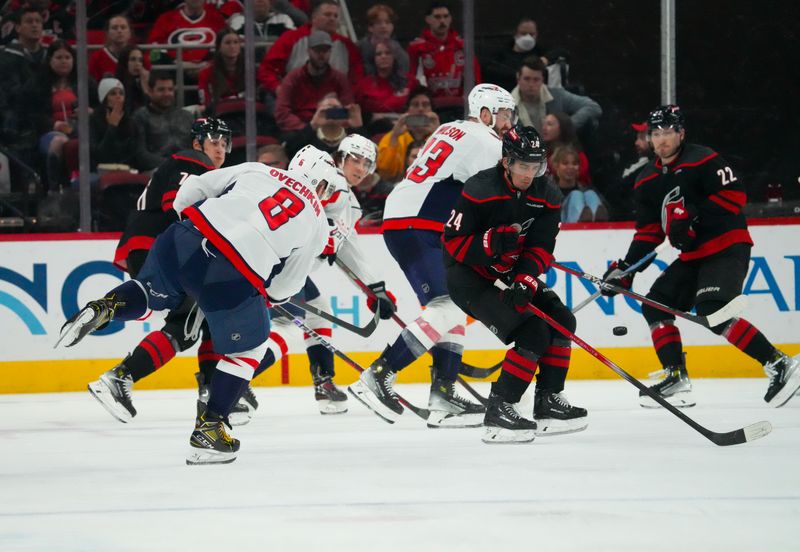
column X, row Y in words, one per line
column 117, row 193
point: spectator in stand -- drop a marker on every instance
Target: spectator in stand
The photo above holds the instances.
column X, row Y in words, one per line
column 417, row 123
column 619, row 191
column 558, row 130
column 268, row 25
column 386, row 91
column 20, row 61
column 326, row 131
column 412, row 152
column 290, row 51
column 302, row 89
column 112, row 134
column 195, row 23
column 273, row 155
column 161, row 127
column 58, row 20
column 535, row 100
column 581, row 202
column 134, row 76
column 103, row 62
column 437, row 56
column 501, row 67
column 224, row 76
column 380, row 27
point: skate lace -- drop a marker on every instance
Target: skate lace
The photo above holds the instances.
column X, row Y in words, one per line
column 387, row 383
column 771, row 369
column 562, row 400
column 658, row 374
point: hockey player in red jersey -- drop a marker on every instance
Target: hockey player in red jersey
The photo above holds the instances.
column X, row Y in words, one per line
column 504, row 227
column 692, row 196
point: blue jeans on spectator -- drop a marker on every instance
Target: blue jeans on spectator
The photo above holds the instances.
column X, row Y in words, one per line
column 576, row 201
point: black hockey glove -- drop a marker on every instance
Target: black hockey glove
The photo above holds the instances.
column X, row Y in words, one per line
column 616, row 276
column 680, row 231
column 500, row 240
column 521, row 292
column 383, row 300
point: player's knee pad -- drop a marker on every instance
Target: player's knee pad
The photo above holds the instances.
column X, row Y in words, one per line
column 704, row 308
column 563, row 316
column 242, row 364
column 440, row 316
column 532, row 335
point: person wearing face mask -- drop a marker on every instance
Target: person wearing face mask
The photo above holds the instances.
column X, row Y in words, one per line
column 501, row 66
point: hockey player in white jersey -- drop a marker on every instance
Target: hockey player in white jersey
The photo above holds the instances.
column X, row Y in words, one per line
column 414, row 217
column 250, row 235
column 356, row 158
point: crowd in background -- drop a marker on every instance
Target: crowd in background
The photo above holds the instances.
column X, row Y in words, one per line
column 315, row 86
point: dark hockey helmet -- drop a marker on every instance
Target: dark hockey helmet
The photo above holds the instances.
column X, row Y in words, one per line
column 665, row 116
column 523, row 143
column 215, row 129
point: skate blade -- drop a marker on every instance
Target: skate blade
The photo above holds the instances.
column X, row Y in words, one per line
column 99, row 391
column 502, row 436
column 550, row 426
column 239, row 418
column 363, row 394
column 331, row 408
column 200, row 457
column 678, row 400
column 791, row 387
column 72, row 331
column 440, row 418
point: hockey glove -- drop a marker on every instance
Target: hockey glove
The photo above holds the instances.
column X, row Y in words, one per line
column 680, row 231
column 616, row 276
column 521, row 292
column 500, row 240
column 383, row 300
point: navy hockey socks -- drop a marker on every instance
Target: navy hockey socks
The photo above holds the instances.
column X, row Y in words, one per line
column 320, row 360
column 225, row 392
column 445, row 363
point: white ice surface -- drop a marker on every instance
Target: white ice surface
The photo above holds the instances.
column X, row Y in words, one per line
column 73, row 478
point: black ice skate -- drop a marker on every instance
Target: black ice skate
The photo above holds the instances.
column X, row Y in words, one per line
column 675, row 388
column 505, row 425
column 210, row 442
column 94, row 316
column 375, row 390
column 113, row 391
column 555, row 416
column 448, row 409
column 242, row 411
column 330, row 399
column 784, row 379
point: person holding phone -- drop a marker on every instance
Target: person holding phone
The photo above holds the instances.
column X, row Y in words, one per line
column 331, row 122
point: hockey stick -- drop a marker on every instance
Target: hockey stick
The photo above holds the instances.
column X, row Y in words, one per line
column 633, row 268
column 735, row 437
column 371, row 294
column 734, row 307
column 366, row 331
column 421, row 412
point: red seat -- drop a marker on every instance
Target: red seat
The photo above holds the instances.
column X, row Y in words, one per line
column 117, row 193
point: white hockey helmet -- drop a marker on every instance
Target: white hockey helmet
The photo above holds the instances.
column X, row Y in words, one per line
column 317, row 168
column 493, row 98
column 357, row 145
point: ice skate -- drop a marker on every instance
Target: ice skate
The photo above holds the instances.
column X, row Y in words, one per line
column 555, row 416
column 375, row 390
column 330, row 399
column 784, row 379
column 94, row 316
column 210, row 442
column 448, row 409
column 113, row 391
column 675, row 388
column 505, row 425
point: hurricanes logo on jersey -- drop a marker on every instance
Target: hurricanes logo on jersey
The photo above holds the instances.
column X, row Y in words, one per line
column 199, row 35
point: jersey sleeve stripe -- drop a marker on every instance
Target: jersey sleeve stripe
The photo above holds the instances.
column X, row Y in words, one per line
column 195, row 161
column 708, row 157
column 645, row 179
column 485, row 199
column 735, row 209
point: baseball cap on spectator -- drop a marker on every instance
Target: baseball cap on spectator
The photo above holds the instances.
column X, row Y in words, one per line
column 319, row 38
column 639, row 127
column 107, row 85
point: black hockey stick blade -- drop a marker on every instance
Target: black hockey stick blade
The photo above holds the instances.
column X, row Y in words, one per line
column 366, row 331
column 743, row 435
column 477, row 372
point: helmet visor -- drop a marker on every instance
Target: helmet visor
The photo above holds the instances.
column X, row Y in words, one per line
column 217, row 138
column 364, row 163
column 526, row 168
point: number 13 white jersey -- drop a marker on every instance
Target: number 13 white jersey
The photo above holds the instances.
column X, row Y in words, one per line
column 433, row 183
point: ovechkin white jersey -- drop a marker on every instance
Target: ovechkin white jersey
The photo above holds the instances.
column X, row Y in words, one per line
column 267, row 223
column 433, row 183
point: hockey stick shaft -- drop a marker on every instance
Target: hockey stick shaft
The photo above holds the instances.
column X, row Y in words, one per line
column 366, row 331
column 421, row 412
column 633, row 268
column 722, row 315
column 371, row 294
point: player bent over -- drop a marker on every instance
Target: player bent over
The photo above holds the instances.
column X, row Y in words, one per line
column 252, row 235
column 414, row 217
column 690, row 195
column 504, row 226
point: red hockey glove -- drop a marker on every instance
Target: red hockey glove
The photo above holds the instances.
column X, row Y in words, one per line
column 521, row 292
column 615, row 275
column 500, row 240
column 680, row 232
column 383, row 300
